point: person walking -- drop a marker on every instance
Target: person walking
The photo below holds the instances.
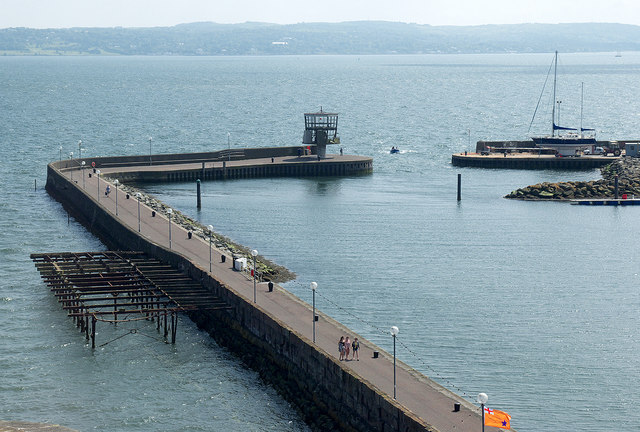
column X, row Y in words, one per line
column 355, row 345
column 347, row 348
column 341, row 347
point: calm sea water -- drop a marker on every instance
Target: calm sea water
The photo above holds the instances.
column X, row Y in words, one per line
column 535, row 304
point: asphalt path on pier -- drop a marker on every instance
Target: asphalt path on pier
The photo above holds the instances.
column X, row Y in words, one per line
column 420, row 395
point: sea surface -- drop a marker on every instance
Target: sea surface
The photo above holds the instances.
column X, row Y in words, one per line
column 534, row 303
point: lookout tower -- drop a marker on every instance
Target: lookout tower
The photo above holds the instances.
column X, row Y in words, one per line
column 321, row 128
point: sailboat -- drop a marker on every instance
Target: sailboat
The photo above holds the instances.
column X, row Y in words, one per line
column 565, row 140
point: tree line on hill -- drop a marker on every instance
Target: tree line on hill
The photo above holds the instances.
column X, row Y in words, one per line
column 361, row 37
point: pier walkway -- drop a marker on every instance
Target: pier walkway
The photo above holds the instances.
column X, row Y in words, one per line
column 422, row 396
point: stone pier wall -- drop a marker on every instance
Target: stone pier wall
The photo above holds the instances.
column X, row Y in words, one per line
column 328, row 396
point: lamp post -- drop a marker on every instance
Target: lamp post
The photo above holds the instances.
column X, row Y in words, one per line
column 98, row 176
column 83, row 163
column 138, row 197
column 229, row 145
column 60, row 153
column 394, row 333
column 71, row 172
column 116, row 183
column 150, row 139
column 482, row 399
column 79, row 149
column 169, row 212
column 254, row 253
column 314, row 285
column 210, row 228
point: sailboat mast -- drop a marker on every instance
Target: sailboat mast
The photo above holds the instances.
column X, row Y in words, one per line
column 553, row 108
column 581, row 105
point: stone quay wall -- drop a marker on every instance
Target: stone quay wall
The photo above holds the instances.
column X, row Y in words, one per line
column 217, row 165
column 328, row 396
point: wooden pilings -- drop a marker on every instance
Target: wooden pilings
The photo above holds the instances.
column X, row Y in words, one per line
column 116, row 287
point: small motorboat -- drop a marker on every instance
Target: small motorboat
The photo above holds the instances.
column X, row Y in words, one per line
column 394, row 150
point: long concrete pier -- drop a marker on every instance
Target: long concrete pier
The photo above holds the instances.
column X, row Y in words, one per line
column 274, row 333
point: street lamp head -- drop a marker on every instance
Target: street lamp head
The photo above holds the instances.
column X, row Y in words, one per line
column 116, row 182
column 482, row 398
column 314, row 286
column 70, row 154
column 254, row 253
column 169, row 211
column 83, row 163
column 98, row 172
column 150, row 139
column 394, row 331
column 210, row 228
column 138, row 195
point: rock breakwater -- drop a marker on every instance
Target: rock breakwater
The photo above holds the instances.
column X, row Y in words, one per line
column 627, row 169
column 267, row 269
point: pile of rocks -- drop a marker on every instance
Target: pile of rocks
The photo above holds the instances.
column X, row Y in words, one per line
column 627, row 169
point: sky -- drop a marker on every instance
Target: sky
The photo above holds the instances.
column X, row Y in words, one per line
column 154, row 13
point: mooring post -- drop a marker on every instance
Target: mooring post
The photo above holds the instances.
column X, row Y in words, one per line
column 86, row 327
column 459, row 187
column 174, row 324
column 166, row 331
column 615, row 186
column 35, row 184
column 93, row 332
column 199, row 203
column 158, row 317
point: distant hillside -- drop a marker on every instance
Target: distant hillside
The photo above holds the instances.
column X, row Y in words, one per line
column 362, row 37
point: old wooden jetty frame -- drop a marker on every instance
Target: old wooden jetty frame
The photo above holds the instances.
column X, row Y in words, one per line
column 121, row 286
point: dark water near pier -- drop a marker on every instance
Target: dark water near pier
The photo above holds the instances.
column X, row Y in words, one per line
column 535, row 304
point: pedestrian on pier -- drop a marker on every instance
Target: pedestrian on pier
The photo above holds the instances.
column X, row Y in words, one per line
column 355, row 345
column 347, row 348
column 341, row 347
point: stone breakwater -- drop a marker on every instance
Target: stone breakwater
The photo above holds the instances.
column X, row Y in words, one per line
column 627, row 169
column 268, row 270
